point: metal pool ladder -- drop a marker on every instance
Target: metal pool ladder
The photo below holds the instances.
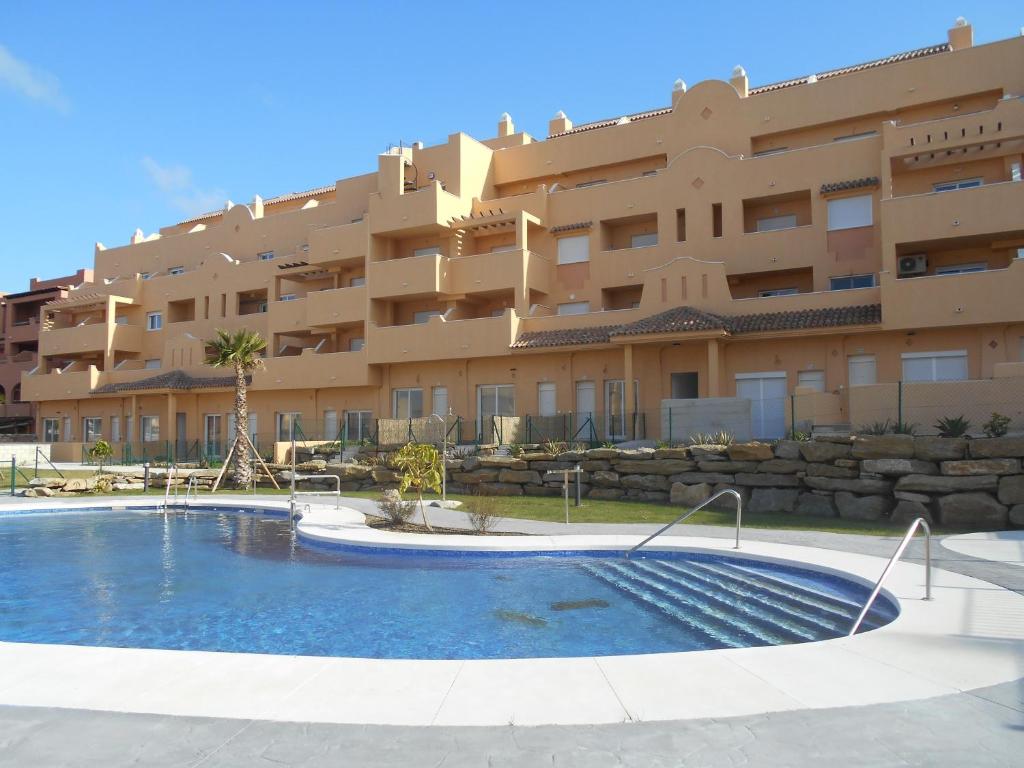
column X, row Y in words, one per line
column 907, row 538
column 192, row 488
column 682, row 517
column 172, row 474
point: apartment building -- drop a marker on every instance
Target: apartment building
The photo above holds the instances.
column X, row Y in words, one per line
column 833, row 231
column 19, row 344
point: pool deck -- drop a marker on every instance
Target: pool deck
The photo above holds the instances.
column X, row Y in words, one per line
column 961, row 653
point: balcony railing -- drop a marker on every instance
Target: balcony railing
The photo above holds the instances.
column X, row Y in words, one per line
column 440, row 339
column 984, row 210
column 336, row 307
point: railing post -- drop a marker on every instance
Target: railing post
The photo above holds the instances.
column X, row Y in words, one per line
column 899, row 404
column 668, row 438
column 14, row 479
column 792, row 415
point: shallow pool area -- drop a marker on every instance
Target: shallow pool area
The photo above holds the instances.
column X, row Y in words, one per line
column 223, row 581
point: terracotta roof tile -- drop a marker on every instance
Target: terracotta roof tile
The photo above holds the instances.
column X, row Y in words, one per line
column 176, row 379
column 570, row 227
column 611, row 121
column 917, row 53
column 690, row 320
column 840, row 186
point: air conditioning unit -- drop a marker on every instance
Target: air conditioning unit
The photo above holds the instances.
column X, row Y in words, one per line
column 914, row 264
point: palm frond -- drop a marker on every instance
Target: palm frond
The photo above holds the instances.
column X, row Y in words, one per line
column 241, row 348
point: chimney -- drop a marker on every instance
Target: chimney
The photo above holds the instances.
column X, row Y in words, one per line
column 505, row 125
column 559, row 123
column 678, row 89
column 257, row 207
column 137, row 237
column 961, row 35
column 739, row 81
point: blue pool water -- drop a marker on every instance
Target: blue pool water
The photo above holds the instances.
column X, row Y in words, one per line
column 228, row 582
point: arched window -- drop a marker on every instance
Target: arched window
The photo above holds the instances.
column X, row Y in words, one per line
column 16, row 394
column 3, row 395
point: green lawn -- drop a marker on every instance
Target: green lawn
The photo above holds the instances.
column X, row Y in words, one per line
column 552, row 509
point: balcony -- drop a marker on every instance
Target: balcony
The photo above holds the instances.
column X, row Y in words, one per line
column 408, row 277
column 286, row 316
column 1002, row 124
column 68, row 385
column 335, row 369
column 972, row 298
column 503, row 270
column 339, row 306
column 440, row 339
column 341, row 244
column 15, row 410
column 985, row 210
column 90, row 338
column 425, row 208
column 21, row 331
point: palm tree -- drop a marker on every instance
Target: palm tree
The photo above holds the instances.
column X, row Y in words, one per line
column 239, row 350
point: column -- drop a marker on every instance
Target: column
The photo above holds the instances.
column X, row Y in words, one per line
column 714, row 369
column 171, row 430
column 629, row 416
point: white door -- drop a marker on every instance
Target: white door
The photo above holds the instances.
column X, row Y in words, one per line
column 439, row 401
column 862, row 370
column 586, row 405
column 212, row 436
column 767, row 395
column 330, row 425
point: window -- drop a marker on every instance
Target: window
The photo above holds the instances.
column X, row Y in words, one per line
column 493, row 401
column 684, row 385
column 645, row 240
column 681, row 225
column 359, row 425
column 616, row 415
column 949, row 186
column 433, row 250
column 935, row 366
column 861, row 370
column 407, row 403
column 959, row 269
column 773, row 223
column 51, row 430
column 716, row 219
column 330, row 424
column 253, row 430
column 546, row 398
column 586, row 402
column 261, row 307
column 847, row 282
column 67, row 429
column 422, row 317
column 811, row 380
column 212, row 436
column 154, row 321
column 288, row 297
column 153, row 363
column 357, row 282
column 176, row 271
column 855, row 136
column 145, row 275
column 356, row 345
column 265, row 255
column 503, row 248
column 574, row 250
column 150, row 429
column 574, row 308
column 121, row 320
column 594, row 183
column 115, row 429
column 439, row 401
column 778, row 292
column 288, row 425
column 850, row 212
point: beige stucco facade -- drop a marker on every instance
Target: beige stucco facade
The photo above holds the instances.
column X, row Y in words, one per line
column 453, row 269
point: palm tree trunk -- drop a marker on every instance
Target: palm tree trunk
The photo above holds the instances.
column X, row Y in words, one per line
column 423, row 511
column 243, row 458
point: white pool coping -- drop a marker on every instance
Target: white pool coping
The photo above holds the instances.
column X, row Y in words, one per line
column 970, row 636
column 998, row 546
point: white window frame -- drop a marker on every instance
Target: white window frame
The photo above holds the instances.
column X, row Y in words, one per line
column 815, row 376
column 424, row 315
column 851, row 212
column 265, row 255
column 643, row 240
column 154, row 321
column 496, row 390
column 363, row 420
column 400, row 394
column 330, row 424
column 152, row 363
column 115, row 429
column 952, row 186
column 962, row 269
column 149, row 429
column 176, row 271
column 294, row 417
column 67, row 428
column 862, row 359
column 546, row 390
column 768, row 293
column 503, row 248
column 51, row 429
column 573, row 249
column 439, row 401
column 288, row 297
column 356, row 282
column 610, row 388
column 432, row 250
column 356, row 345
column 777, row 223
column 92, row 429
column 213, row 436
column 935, row 357
column 574, row 308
column 833, row 287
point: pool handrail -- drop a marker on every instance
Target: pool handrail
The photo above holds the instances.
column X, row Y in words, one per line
column 172, row 473
column 904, row 543
column 684, row 515
column 193, row 486
column 336, row 493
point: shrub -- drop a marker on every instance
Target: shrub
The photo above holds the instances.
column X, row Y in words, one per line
column 904, row 428
column 422, row 470
column 997, row 426
column 876, row 428
column 515, row 450
column 952, row 426
column 799, row 436
column 712, row 438
column 101, row 452
column 483, row 513
column 394, row 510
column 554, row 447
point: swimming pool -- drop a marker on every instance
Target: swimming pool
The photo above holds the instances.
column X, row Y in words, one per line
column 223, row 581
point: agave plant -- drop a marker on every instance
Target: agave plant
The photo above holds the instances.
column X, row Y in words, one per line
column 952, row 426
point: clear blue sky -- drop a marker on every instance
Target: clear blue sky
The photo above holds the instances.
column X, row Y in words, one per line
column 122, row 115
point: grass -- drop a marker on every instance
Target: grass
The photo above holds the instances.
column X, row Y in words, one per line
column 552, row 509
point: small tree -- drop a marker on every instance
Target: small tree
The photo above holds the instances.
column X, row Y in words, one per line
column 101, row 452
column 241, row 351
column 421, row 471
